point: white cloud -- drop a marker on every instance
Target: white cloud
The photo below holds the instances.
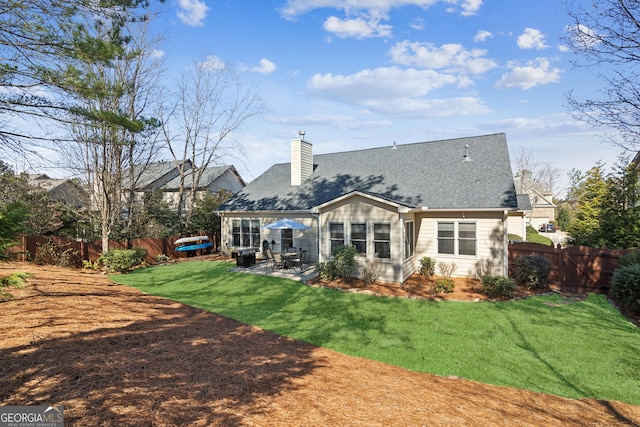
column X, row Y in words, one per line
column 471, row 7
column 211, row 63
column 482, row 35
column 582, row 36
column 534, row 73
column 358, row 27
column 532, row 39
column 265, row 67
column 419, row 108
column 192, row 12
column 156, row 53
column 448, row 56
column 417, row 24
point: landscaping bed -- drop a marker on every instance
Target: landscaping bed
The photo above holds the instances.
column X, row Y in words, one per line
column 112, row 355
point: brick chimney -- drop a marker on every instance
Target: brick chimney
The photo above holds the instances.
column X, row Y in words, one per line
column 301, row 160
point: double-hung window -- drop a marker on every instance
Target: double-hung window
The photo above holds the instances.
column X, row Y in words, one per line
column 336, row 236
column 245, row 232
column 359, row 237
column 382, row 239
column 457, row 238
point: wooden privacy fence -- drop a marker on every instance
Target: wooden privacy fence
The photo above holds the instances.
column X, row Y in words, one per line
column 30, row 247
column 575, row 268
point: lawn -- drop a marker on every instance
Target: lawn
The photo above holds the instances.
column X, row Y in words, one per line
column 548, row 344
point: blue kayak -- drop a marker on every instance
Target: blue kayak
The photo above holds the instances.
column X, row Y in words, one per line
column 205, row 245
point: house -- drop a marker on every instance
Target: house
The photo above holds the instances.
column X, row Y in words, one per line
column 449, row 200
column 543, row 210
column 165, row 178
column 64, row 190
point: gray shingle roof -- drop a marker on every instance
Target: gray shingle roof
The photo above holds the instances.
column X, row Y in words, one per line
column 427, row 174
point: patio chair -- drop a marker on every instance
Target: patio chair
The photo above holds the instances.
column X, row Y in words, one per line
column 278, row 261
column 269, row 260
column 299, row 263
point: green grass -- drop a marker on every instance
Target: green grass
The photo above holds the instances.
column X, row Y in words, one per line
column 545, row 344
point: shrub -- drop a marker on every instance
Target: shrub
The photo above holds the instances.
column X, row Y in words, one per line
column 327, row 270
column 15, row 280
column 52, row 254
column 625, row 287
column 121, row 261
column 161, row 259
column 629, row 259
column 447, row 269
column 532, row 271
column 370, row 271
column 91, row 265
column 427, row 266
column 345, row 262
column 484, row 269
column 498, row 286
column 444, row 285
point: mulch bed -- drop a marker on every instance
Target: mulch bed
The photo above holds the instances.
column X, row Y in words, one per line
column 114, row 356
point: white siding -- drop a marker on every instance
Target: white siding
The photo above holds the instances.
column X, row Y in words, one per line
column 361, row 210
column 489, row 237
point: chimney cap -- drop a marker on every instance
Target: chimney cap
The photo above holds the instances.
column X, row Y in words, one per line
column 301, row 133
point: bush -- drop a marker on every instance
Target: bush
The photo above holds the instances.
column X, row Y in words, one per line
column 346, row 262
column 370, row 271
column 625, row 287
column 161, row 259
column 52, row 254
column 444, row 285
column 120, row 261
column 427, row 266
column 327, row 270
column 629, row 259
column 498, row 286
column 484, row 269
column 532, row 271
column 447, row 269
column 16, row 280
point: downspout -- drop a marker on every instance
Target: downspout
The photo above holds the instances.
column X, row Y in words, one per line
column 505, row 245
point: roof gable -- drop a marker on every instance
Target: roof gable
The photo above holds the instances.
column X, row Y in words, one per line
column 431, row 175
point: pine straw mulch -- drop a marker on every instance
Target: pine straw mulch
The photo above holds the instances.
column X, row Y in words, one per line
column 113, row 356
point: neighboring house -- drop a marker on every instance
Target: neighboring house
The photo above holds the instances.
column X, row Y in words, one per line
column 165, row 178
column 449, row 200
column 543, row 210
column 63, row 190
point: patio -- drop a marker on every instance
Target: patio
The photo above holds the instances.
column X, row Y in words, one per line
column 306, row 273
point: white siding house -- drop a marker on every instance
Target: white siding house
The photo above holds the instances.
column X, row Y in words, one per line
column 451, row 200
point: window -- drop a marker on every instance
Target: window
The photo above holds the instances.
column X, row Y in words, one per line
column 382, row 240
column 466, row 238
column 408, row 239
column 359, row 237
column 245, row 233
column 336, row 236
column 287, row 238
column 465, row 244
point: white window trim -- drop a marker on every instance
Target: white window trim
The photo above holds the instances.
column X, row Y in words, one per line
column 456, row 237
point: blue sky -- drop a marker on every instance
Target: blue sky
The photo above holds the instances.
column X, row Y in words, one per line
column 358, row 74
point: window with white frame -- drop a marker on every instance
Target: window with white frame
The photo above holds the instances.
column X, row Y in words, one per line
column 382, row 240
column 336, row 236
column 359, row 237
column 409, row 242
column 457, row 238
column 245, row 232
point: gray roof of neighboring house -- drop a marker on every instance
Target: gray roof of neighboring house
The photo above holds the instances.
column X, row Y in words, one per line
column 209, row 175
column 149, row 174
column 524, row 202
column 427, row 174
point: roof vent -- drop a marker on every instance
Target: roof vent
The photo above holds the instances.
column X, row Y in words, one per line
column 466, row 153
column 395, row 147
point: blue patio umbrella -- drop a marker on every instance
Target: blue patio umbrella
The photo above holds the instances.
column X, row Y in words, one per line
column 285, row 223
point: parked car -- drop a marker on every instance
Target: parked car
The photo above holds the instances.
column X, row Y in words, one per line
column 547, row 228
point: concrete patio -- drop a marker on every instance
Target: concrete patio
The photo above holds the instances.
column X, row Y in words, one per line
column 306, row 273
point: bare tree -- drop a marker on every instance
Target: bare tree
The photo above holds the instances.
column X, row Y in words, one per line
column 607, row 32
column 211, row 105
column 535, row 174
column 121, row 135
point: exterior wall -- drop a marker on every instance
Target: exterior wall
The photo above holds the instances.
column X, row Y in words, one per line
column 489, row 238
column 517, row 224
column 302, row 239
column 361, row 210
